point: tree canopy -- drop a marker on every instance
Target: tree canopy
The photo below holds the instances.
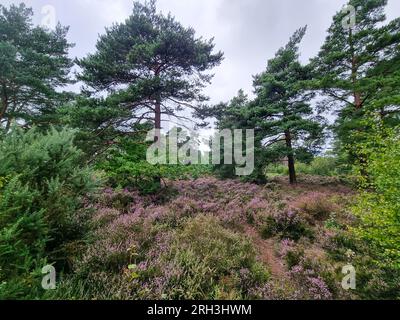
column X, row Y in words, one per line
column 150, row 66
column 357, row 68
column 34, row 65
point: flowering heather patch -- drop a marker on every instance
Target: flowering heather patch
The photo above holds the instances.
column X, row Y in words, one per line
column 144, row 241
column 233, row 202
column 286, row 246
column 316, row 206
column 194, row 242
column 311, row 286
column 286, row 224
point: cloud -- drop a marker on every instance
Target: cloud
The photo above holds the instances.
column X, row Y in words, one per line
column 105, row 11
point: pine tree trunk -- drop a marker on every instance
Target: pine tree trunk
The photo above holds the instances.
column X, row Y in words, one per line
column 4, row 103
column 354, row 69
column 290, row 155
column 157, row 106
column 157, row 121
column 157, row 125
column 157, row 115
column 357, row 102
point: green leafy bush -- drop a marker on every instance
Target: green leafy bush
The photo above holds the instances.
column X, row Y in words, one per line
column 125, row 166
column 378, row 207
column 40, row 205
column 275, row 169
column 319, row 166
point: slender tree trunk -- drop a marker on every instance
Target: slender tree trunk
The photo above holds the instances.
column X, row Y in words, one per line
column 356, row 94
column 8, row 125
column 157, row 114
column 292, row 169
column 157, row 105
column 354, row 69
column 157, row 124
column 4, row 103
column 357, row 102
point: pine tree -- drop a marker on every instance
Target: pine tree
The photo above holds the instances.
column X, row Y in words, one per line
column 357, row 68
column 34, row 63
column 281, row 110
column 237, row 115
column 150, row 66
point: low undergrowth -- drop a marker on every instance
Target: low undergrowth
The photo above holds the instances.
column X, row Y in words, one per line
column 191, row 242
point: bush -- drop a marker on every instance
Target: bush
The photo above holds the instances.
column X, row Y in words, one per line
column 287, row 225
column 319, row 166
column 40, row 201
column 274, row 170
column 315, row 206
column 126, row 166
column 378, row 208
column 212, row 263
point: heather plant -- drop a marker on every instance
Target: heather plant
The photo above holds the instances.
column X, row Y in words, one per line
column 314, row 275
column 311, row 286
column 192, row 246
column 226, row 261
column 170, row 251
column 315, row 206
column 286, row 224
column 291, row 253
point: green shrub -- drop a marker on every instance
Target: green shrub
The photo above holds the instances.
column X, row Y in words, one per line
column 126, row 166
column 288, row 224
column 269, row 228
column 40, row 205
column 378, row 206
column 315, row 206
column 319, row 166
column 212, row 262
column 274, row 170
column 293, row 257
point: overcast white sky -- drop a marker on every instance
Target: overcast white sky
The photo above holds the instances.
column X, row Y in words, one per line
column 249, row 32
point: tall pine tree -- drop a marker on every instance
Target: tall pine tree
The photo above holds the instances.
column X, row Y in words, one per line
column 34, row 63
column 237, row 114
column 281, row 110
column 357, row 68
column 150, row 66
